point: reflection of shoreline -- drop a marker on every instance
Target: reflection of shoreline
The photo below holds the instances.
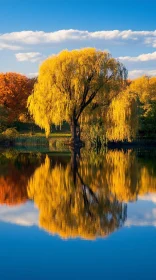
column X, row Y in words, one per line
column 82, row 200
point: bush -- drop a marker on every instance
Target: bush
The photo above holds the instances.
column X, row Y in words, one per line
column 10, row 133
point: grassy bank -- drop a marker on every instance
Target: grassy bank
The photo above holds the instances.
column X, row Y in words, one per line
column 39, row 139
column 55, row 140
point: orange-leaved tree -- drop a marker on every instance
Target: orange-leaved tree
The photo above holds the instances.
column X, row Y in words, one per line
column 14, row 91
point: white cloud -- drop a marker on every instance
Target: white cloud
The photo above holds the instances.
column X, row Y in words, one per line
column 32, row 75
column 141, row 72
column 41, row 37
column 25, row 43
column 142, row 222
column 4, row 46
column 149, row 196
column 24, row 215
column 142, row 57
column 29, row 56
column 143, row 212
column 151, row 41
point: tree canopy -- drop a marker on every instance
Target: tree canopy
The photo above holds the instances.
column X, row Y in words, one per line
column 69, row 82
column 14, row 91
column 130, row 114
column 121, row 120
column 144, row 88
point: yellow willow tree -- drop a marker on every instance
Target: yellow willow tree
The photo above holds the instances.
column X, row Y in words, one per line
column 69, row 82
column 122, row 117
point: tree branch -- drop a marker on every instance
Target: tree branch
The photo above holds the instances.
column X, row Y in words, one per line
column 85, row 104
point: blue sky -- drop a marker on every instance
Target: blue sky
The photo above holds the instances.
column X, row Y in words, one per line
column 32, row 30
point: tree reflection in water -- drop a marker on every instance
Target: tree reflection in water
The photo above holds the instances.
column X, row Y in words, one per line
column 85, row 196
column 73, row 203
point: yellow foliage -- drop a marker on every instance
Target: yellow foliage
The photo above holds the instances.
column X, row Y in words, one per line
column 69, row 81
column 122, row 118
column 145, row 88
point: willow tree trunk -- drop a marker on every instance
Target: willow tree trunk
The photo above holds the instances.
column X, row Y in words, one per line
column 75, row 133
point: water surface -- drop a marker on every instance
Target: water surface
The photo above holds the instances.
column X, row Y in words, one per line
column 87, row 216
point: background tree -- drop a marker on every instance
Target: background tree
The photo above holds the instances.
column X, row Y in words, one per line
column 130, row 114
column 144, row 88
column 69, row 82
column 14, row 91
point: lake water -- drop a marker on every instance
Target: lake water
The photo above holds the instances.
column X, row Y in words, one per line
column 87, row 216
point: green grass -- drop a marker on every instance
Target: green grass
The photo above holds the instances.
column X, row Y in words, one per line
column 56, row 141
column 40, row 134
